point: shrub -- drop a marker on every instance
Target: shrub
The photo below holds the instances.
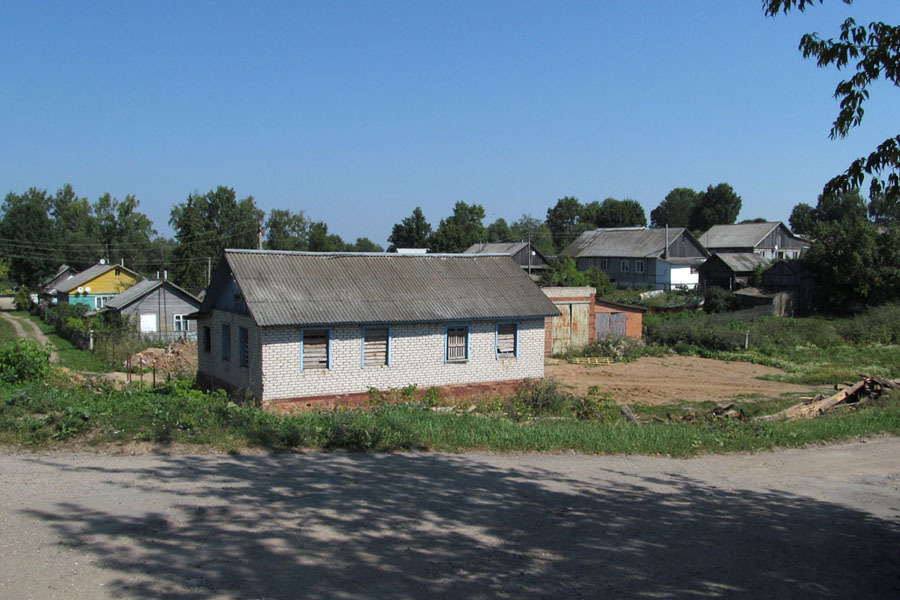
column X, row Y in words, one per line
column 719, row 300
column 537, row 398
column 24, row 360
column 23, row 299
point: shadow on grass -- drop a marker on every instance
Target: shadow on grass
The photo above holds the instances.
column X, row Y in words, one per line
column 410, row 526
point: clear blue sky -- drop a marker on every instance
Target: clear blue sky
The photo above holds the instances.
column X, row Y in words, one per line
column 356, row 112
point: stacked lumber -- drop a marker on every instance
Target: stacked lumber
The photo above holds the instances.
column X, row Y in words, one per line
column 855, row 394
column 591, row 360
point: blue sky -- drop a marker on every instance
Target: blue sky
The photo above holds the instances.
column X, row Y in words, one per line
column 356, row 112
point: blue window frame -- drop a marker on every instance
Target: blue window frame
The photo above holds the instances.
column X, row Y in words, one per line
column 315, row 348
column 456, row 343
column 226, row 341
column 506, row 340
column 376, row 346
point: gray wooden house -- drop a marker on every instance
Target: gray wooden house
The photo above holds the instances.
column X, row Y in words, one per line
column 159, row 308
column 525, row 255
column 730, row 271
column 638, row 257
column 771, row 240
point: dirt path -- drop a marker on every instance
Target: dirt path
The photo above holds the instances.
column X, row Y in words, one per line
column 820, row 522
column 672, row 379
column 33, row 332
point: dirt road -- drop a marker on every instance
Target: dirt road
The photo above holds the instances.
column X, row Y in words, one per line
column 24, row 327
column 821, row 522
column 672, row 379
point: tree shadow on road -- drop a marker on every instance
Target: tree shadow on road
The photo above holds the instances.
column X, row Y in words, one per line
column 407, row 526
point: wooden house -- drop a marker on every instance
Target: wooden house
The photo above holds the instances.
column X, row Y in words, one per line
column 298, row 329
column 771, row 240
column 730, row 271
column 638, row 257
column 526, row 256
column 95, row 286
column 160, row 309
column 48, row 287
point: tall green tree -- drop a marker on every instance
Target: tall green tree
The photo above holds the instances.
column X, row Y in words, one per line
column 76, row 229
column 499, row 231
column 364, row 245
column 460, row 230
column 412, row 232
column 527, row 228
column 286, row 230
column 124, row 231
column 614, row 213
column 873, row 52
column 565, row 221
column 322, row 241
column 840, row 207
column 717, row 205
column 803, row 219
column 26, row 237
column 675, row 210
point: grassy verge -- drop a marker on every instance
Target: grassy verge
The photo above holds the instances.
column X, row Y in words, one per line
column 7, row 332
column 70, row 356
column 41, row 414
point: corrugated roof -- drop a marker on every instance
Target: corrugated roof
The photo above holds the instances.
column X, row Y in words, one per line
column 743, row 235
column 627, row 242
column 141, row 289
column 81, row 278
column 287, row 288
column 742, row 261
column 511, row 248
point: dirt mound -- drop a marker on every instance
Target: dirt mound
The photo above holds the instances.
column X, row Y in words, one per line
column 178, row 356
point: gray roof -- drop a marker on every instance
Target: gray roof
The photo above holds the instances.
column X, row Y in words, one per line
column 742, row 261
column 743, row 235
column 141, row 289
column 87, row 275
column 289, row 288
column 626, row 242
column 511, row 248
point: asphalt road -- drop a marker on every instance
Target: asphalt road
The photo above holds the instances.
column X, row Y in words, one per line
column 822, row 522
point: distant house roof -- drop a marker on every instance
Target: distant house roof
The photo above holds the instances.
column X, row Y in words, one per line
column 741, row 261
column 63, row 272
column 89, row 275
column 288, row 288
column 742, row 235
column 626, row 242
column 510, row 248
column 142, row 289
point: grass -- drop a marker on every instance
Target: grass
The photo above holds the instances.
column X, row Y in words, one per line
column 42, row 414
column 70, row 356
column 7, row 332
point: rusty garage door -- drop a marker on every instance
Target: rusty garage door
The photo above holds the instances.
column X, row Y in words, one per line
column 570, row 328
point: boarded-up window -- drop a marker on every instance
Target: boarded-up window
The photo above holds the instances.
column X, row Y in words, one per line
column 375, row 346
column 315, row 349
column 457, row 343
column 506, row 340
column 226, row 342
column 243, row 347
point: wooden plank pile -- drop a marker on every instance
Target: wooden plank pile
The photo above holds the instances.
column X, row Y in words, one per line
column 591, row 360
column 856, row 394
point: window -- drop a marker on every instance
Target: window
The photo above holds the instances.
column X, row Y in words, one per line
column 457, row 343
column 180, row 323
column 624, row 266
column 376, row 350
column 507, row 340
column 638, row 266
column 226, row 341
column 315, row 349
column 604, row 263
column 207, row 339
column 243, row 347
column 100, row 301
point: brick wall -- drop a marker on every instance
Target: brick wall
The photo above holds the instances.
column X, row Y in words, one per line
column 417, row 357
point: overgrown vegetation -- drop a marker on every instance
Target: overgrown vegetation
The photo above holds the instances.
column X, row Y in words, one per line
column 23, row 360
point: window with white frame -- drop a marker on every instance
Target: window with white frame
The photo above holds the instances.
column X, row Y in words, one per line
column 507, row 339
column 604, row 263
column 624, row 266
column 638, row 266
column 100, row 301
column 457, row 343
column 376, row 346
column 180, row 323
column 315, row 349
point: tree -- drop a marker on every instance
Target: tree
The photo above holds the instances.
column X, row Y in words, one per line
column 613, row 213
column 565, row 273
column 26, row 236
column 875, row 52
column 412, row 232
column 718, row 205
column 321, row 241
column 803, row 219
column 527, row 228
column 76, row 229
column 364, row 245
column 125, row 233
column 675, row 210
column 883, row 212
column 564, row 219
column 499, row 231
column 840, row 207
column 460, row 230
column 287, row 230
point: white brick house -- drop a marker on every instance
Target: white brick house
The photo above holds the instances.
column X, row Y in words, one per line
column 294, row 326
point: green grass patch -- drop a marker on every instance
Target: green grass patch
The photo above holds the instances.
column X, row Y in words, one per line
column 41, row 414
column 70, row 356
column 7, row 332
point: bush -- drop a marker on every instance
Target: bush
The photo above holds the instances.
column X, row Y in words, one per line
column 537, row 398
column 719, row 300
column 23, row 360
column 23, row 299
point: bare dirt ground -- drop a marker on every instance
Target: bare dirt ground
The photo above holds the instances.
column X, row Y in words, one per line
column 671, row 379
column 822, row 522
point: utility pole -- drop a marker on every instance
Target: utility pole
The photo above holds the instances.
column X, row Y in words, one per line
column 259, row 237
column 529, row 254
column 208, row 270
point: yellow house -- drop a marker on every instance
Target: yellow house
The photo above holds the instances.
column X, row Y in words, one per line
column 93, row 287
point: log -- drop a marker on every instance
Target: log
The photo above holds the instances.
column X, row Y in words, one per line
column 629, row 414
column 819, row 407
